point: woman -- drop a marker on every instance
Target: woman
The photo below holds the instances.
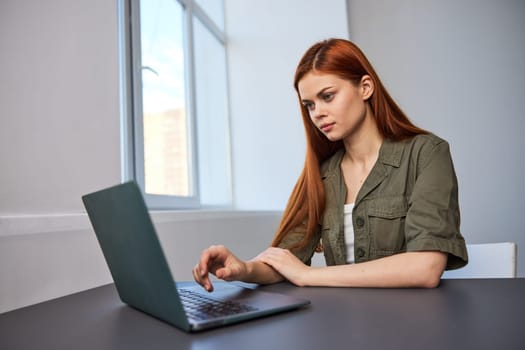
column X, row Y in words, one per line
column 377, row 194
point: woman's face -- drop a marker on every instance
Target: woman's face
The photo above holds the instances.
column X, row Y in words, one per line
column 337, row 107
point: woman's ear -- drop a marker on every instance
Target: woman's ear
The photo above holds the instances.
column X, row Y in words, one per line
column 367, row 87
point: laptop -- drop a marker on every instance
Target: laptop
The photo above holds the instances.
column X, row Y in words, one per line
column 143, row 278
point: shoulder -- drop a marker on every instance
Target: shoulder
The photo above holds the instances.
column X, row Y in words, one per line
column 426, row 146
column 427, row 140
column 422, row 151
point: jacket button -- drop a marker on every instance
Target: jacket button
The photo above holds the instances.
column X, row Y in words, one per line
column 360, row 252
column 360, row 221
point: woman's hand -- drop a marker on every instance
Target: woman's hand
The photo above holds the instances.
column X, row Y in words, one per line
column 219, row 261
column 287, row 264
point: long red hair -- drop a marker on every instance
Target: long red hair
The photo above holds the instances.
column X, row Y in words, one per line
column 344, row 59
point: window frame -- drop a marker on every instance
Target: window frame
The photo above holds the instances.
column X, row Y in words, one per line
column 132, row 133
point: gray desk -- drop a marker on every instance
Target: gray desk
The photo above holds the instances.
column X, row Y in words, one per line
column 460, row 314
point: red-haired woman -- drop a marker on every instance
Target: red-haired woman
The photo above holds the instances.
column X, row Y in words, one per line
column 377, row 194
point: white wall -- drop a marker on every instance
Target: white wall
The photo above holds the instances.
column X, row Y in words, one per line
column 266, row 40
column 59, row 134
column 457, row 68
column 59, row 139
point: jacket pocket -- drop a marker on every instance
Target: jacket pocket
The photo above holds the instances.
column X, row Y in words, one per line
column 386, row 219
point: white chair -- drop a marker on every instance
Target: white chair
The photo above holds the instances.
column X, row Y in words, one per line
column 491, row 260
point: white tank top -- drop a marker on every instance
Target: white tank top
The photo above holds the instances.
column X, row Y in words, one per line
column 349, row 233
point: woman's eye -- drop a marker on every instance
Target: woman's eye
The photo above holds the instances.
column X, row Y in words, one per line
column 328, row 97
column 309, row 106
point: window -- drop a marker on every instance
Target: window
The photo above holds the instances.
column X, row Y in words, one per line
column 176, row 104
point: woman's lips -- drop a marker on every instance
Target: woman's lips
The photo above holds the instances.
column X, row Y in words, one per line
column 327, row 127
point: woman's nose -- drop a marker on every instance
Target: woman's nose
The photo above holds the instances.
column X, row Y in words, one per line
column 317, row 112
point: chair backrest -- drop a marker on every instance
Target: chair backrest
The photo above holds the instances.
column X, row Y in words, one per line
column 490, row 260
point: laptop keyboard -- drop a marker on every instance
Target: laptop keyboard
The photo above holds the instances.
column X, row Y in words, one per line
column 200, row 307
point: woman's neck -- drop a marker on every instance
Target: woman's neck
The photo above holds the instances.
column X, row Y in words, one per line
column 363, row 147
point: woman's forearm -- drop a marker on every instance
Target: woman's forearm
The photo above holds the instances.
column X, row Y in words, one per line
column 414, row 269
column 261, row 273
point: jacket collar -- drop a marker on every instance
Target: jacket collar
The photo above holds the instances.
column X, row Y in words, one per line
column 390, row 153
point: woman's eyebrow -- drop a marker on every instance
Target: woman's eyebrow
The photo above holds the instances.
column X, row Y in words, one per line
column 318, row 94
column 323, row 90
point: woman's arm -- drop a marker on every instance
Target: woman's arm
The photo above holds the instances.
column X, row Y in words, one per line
column 411, row 269
column 261, row 273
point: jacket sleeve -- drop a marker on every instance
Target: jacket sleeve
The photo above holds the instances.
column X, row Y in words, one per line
column 432, row 221
column 294, row 237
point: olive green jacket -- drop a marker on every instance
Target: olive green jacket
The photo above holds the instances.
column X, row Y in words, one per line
column 409, row 202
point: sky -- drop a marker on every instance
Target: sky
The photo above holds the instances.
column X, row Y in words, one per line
column 162, row 52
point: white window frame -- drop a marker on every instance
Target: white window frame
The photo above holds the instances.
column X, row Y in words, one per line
column 132, row 141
